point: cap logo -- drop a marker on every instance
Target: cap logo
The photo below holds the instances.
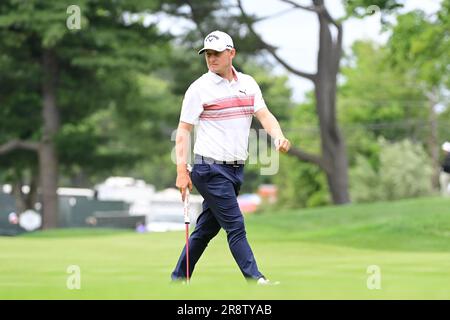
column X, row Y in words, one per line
column 211, row 37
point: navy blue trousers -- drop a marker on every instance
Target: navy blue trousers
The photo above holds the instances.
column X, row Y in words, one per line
column 219, row 185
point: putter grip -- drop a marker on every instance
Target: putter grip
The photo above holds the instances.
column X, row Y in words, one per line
column 186, row 207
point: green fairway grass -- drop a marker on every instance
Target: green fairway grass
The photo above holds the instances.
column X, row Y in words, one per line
column 318, row 253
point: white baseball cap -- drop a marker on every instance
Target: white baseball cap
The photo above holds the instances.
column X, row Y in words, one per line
column 217, row 41
column 446, row 146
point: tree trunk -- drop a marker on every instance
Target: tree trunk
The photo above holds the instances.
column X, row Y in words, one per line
column 333, row 146
column 48, row 158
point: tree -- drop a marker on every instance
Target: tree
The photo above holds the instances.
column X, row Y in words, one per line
column 376, row 100
column 144, row 127
column 61, row 67
column 332, row 159
column 420, row 47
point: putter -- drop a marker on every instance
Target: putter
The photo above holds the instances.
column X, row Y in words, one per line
column 187, row 222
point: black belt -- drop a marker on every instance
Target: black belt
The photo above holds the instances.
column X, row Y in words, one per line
column 202, row 159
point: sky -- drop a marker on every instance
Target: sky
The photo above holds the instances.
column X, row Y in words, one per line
column 296, row 33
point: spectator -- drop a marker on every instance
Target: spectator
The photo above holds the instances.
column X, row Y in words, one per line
column 141, row 228
column 444, row 177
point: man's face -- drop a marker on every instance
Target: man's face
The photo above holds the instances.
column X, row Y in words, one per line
column 219, row 62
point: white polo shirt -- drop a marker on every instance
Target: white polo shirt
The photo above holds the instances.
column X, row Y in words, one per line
column 222, row 112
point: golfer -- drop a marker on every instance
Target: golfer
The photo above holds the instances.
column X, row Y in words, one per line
column 221, row 104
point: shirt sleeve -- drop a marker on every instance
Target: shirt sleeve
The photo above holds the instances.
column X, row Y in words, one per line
column 259, row 102
column 192, row 107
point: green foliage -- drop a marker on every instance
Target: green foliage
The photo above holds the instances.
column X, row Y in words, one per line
column 119, row 99
column 93, row 147
column 375, row 95
column 276, row 91
column 98, row 67
column 364, row 181
column 376, row 100
column 420, row 48
column 186, row 66
column 362, row 8
column 404, row 171
column 421, row 45
column 444, row 128
column 302, row 184
column 145, row 127
column 386, row 93
column 210, row 15
column 160, row 171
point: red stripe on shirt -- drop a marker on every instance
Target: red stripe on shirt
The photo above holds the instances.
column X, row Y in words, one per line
column 226, row 111
column 226, row 116
column 230, row 103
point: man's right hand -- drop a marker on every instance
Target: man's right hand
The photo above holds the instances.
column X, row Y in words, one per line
column 183, row 182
